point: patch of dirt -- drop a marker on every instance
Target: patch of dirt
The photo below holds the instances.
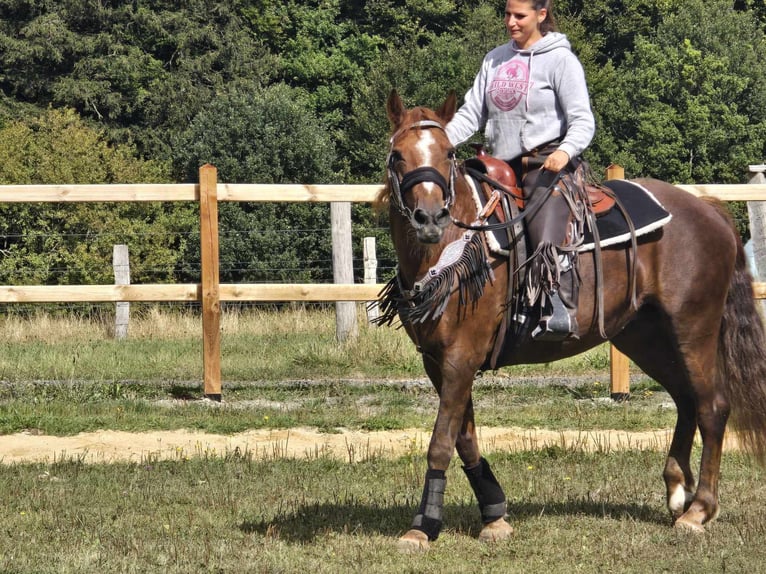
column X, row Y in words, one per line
column 301, row 443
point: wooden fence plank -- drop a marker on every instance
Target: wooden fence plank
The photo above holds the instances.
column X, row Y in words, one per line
column 273, row 192
column 98, row 293
column 189, row 292
column 733, row 192
column 112, row 192
column 293, row 192
column 307, row 292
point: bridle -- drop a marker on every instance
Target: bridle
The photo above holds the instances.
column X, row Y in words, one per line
column 420, row 174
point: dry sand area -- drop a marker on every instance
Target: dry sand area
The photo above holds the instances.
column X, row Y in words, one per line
column 301, row 443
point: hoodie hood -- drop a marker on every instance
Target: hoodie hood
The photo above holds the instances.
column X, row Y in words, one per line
column 551, row 41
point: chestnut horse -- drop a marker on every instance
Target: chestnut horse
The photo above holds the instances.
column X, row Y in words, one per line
column 693, row 325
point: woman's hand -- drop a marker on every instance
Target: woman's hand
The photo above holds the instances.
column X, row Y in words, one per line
column 557, row 161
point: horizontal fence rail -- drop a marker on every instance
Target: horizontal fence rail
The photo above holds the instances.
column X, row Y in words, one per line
column 209, row 291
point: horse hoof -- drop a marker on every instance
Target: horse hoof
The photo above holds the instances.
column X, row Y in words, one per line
column 413, row 541
column 688, row 525
column 497, row 530
column 693, row 519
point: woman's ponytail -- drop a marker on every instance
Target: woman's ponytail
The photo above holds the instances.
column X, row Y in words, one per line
column 549, row 24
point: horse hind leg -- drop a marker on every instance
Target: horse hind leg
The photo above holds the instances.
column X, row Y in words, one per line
column 706, row 395
column 690, row 379
column 677, row 474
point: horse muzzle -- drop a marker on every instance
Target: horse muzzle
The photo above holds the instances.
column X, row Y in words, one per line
column 429, row 224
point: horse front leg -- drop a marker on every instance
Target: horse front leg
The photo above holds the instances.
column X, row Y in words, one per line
column 453, row 384
column 486, row 488
column 455, row 427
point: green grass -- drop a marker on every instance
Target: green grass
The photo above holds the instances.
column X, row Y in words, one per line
column 257, row 345
column 64, row 375
column 68, row 408
column 572, row 512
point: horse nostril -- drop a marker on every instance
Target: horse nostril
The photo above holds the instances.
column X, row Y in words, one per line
column 420, row 216
column 442, row 218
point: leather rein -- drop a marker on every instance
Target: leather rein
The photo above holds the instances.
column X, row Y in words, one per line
column 423, row 174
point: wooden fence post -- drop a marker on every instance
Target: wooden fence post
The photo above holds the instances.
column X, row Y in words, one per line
column 619, row 368
column 211, row 303
column 756, row 211
column 343, row 268
column 121, row 266
column 371, row 274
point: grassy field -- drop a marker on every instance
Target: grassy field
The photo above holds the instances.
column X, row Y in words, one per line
column 257, row 345
column 63, row 376
column 573, row 511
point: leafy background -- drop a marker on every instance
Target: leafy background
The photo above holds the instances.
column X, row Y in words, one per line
column 107, row 91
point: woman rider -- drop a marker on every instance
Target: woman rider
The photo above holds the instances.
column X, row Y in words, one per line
column 531, row 97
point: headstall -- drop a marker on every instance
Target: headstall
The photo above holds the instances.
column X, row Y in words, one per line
column 418, row 175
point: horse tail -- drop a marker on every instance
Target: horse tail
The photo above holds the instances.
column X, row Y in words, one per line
column 742, row 354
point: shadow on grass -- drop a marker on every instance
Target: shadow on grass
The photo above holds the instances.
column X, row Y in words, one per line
column 308, row 521
column 184, row 393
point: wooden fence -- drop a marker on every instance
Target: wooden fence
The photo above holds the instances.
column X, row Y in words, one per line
column 210, row 292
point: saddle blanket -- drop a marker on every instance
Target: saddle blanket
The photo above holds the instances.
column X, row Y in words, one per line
column 644, row 210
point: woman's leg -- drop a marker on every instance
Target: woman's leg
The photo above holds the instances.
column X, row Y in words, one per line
column 551, row 277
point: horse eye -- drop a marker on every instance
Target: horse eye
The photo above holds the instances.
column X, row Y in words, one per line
column 396, row 160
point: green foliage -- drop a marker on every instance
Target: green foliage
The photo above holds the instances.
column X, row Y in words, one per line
column 140, row 68
column 756, row 7
column 295, row 91
column 423, row 70
column 612, row 27
column 689, row 100
column 267, row 136
column 72, row 243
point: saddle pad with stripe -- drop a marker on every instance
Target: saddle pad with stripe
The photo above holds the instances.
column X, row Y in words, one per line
column 644, row 210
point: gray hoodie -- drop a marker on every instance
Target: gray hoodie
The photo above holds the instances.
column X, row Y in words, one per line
column 527, row 98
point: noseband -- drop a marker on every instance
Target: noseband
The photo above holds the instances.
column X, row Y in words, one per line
column 418, row 175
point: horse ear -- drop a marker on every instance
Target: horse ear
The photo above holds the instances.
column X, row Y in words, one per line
column 449, row 107
column 395, row 108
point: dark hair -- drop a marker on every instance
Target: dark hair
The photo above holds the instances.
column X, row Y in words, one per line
column 549, row 24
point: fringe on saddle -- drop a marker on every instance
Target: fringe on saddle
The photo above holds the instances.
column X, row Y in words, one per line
column 546, row 264
column 587, row 200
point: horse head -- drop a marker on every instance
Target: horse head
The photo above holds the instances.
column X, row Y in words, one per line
column 421, row 167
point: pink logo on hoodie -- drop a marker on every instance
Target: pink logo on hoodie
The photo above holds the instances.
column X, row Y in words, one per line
column 510, row 85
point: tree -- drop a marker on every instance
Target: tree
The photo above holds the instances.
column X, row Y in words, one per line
column 266, row 135
column 692, row 105
column 72, row 243
column 141, row 69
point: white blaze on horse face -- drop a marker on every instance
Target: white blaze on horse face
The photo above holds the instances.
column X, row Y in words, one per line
column 425, row 142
